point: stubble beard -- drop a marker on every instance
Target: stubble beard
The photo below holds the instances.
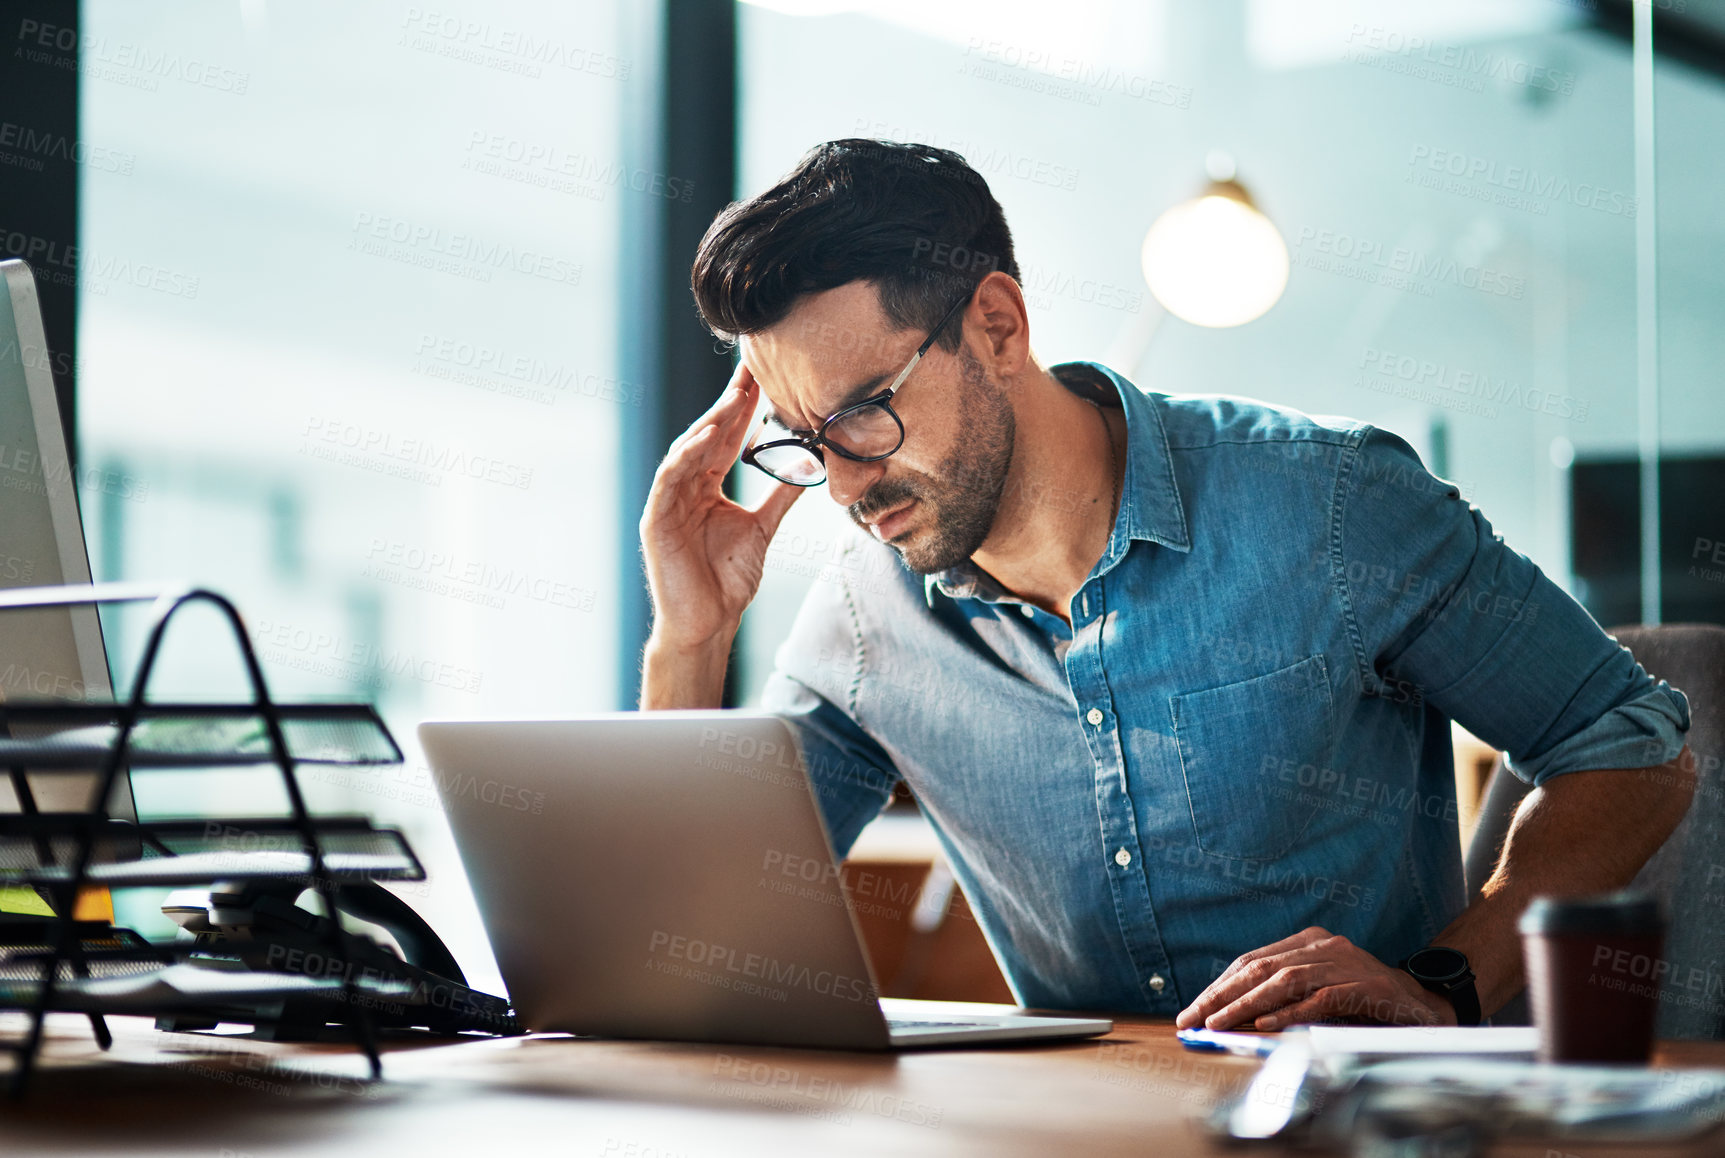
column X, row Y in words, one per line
column 961, row 499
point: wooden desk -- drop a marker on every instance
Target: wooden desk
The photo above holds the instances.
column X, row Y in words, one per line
column 1135, row 1092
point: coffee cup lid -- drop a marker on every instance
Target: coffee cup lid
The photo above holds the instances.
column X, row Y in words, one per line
column 1607, row 914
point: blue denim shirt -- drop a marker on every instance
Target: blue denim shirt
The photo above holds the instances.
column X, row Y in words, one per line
column 1244, row 732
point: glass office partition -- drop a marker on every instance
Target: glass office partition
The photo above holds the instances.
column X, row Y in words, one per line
column 1649, row 519
column 1454, row 183
column 1688, row 121
column 348, row 328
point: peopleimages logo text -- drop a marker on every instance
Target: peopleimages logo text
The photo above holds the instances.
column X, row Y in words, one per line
column 1471, row 63
column 757, row 966
column 1400, row 260
column 481, row 253
column 1519, row 179
column 1473, row 383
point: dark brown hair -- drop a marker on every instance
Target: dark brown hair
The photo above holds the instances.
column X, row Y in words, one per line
column 916, row 221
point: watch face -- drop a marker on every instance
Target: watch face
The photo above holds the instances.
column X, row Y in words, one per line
column 1437, row 964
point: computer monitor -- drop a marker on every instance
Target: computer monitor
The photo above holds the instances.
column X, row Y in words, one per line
column 47, row 653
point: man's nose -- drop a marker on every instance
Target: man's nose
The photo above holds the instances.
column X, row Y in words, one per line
column 848, row 481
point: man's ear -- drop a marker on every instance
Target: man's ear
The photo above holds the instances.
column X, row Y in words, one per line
column 999, row 324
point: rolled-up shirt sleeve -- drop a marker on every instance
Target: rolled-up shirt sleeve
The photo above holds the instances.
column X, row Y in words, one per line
column 852, row 776
column 1436, row 602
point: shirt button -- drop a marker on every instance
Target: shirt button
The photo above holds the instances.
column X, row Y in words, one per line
column 1029, row 611
column 1094, row 715
column 1122, row 858
column 1157, row 983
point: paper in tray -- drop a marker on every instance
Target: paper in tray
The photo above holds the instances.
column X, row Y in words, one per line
column 191, row 986
column 1579, row 1103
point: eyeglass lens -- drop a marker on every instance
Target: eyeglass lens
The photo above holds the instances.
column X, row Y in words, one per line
column 791, row 463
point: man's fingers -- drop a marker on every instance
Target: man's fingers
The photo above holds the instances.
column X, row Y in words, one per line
column 1352, row 999
column 1218, row 993
column 772, row 508
column 1246, row 973
column 734, row 406
column 1227, row 989
column 1377, row 999
column 1299, row 940
column 687, row 453
column 1370, row 1000
column 681, row 474
column 1304, row 937
column 1287, row 986
column 732, row 427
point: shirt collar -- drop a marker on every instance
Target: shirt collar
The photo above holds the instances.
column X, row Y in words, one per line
column 1150, row 504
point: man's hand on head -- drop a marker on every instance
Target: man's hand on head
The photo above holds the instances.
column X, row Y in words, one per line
column 1314, row 975
column 704, row 553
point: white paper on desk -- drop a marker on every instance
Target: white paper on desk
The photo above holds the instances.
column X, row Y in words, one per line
column 1623, row 1104
column 183, row 984
column 1389, row 1041
column 193, row 981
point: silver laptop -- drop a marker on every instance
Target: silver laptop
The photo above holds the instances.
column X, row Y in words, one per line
column 666, row 875
column 47, row 653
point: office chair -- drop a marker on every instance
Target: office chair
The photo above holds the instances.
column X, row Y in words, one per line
column 1687, row 874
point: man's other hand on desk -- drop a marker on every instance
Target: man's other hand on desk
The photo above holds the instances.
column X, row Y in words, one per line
column 1313, row 976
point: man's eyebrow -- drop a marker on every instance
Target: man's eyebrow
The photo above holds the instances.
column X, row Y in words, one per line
column 852, row 396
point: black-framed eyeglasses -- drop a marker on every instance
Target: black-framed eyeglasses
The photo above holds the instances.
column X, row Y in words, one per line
column 866, row 431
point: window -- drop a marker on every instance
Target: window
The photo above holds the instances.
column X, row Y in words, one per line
column 347, row 333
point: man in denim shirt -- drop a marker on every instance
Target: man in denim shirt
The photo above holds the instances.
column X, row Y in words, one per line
column 1171, row 676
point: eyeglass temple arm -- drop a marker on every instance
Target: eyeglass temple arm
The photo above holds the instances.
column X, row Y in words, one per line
column 928, row 343
column 905, row 373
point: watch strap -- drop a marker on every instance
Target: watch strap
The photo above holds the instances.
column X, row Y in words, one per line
column 1465, row 998
column 1462, row 993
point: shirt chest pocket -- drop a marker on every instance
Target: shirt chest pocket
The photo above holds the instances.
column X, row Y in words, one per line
column 1231, row 741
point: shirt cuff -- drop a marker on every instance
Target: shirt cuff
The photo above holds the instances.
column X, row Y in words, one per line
column 1642, row 733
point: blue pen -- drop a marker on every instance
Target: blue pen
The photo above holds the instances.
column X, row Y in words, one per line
column 1242, row 1044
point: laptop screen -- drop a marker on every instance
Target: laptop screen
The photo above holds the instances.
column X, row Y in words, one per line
column 47, row 653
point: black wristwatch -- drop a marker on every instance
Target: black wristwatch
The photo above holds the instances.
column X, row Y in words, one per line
column 1446, row 971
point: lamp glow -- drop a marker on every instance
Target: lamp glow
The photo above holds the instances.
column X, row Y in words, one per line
column 1215, row 260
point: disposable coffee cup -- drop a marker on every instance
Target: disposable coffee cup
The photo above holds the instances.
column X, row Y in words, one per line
column 1594, row 968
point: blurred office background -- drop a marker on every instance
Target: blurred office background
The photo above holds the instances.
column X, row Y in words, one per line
column 370, row 297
